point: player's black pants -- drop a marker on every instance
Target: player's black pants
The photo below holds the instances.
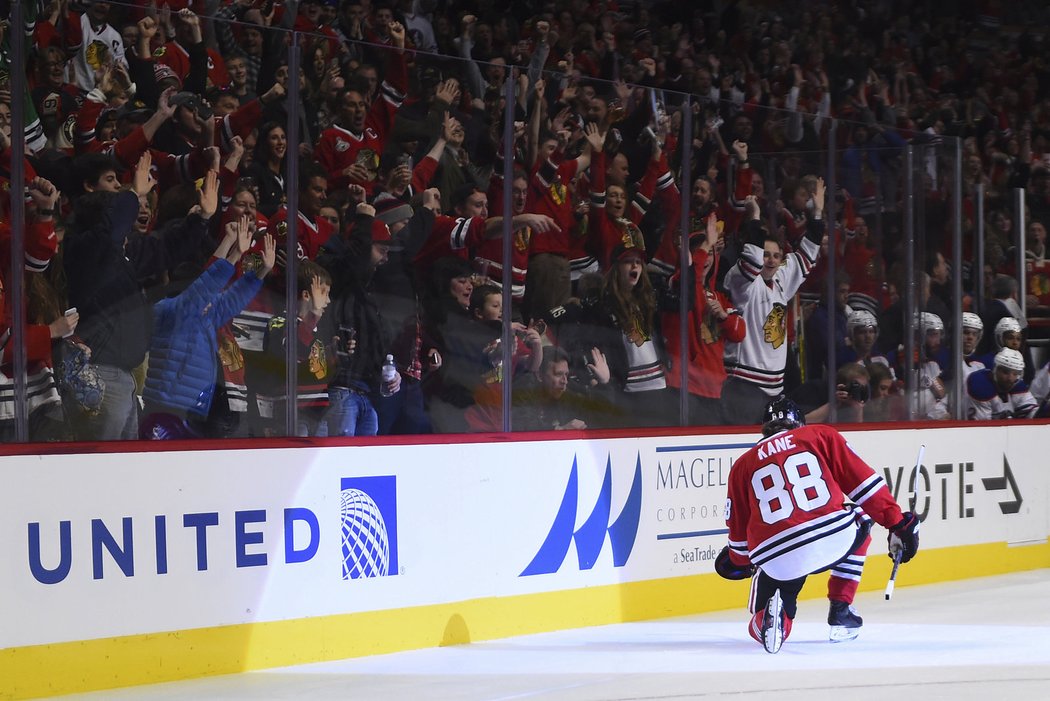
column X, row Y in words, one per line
column 764, row 586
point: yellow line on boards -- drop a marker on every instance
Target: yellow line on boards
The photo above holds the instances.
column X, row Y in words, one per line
column 88, row 665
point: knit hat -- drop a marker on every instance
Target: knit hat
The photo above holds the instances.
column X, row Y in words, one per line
column 380, row 232
column 390, row 209
column 162, row 71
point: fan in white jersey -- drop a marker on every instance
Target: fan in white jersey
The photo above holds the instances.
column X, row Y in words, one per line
column 761, row 286
column 102, row 44
column 801, row 502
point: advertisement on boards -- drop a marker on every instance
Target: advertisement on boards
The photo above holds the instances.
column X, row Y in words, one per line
column 132, row 543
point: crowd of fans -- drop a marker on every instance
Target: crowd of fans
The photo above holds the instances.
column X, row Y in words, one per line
column 157, row 210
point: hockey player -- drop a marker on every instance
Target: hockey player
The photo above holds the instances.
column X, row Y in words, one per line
column 929, row 400
column 863, row 330
column 1000, row 393
column 972, row 330
column 789, row 516
column 1009, row 334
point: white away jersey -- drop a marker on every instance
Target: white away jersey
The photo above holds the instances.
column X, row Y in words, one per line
column 985, row 401
column 1041, row 383
column 924, row 402
column 761, row 357
column 970, row 366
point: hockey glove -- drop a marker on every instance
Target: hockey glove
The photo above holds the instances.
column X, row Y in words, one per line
column 727, row 569
column 905, row 536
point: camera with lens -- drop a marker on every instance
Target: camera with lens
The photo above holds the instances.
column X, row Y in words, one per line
column 858, row 391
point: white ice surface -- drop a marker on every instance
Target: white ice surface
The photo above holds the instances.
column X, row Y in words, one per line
column 982, row 639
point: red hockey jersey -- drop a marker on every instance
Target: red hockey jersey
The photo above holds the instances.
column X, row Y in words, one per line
column 787, row 504
column 337, row 148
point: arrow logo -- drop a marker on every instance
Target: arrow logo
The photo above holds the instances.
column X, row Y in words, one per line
column 993, row 484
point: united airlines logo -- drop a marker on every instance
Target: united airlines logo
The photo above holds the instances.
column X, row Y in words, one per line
column 590, row 537
column 368, row 508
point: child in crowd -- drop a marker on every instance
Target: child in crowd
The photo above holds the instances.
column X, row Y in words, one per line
column 316, row 353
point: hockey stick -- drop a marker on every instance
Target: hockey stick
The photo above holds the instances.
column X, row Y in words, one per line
column 898, row 552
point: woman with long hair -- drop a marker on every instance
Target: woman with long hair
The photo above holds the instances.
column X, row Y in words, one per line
column 633, row 347
column 267, row 168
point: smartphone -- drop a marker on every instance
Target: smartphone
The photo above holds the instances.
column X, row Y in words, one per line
column 69, row 312
column 586, row 358
column 347, row 334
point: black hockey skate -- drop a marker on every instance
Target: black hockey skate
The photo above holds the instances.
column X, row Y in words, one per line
column 844, row 621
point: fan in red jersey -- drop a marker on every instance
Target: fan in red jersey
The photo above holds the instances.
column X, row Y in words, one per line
column 801, row 502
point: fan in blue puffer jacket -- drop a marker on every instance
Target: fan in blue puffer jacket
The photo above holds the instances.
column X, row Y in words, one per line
column 183, row 360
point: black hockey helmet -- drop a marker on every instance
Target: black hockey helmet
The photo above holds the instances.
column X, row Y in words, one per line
column 781, row 414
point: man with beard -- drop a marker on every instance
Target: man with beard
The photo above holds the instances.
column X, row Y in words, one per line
column 352, row 261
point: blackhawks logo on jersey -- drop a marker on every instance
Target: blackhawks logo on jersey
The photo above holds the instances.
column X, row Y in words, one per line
column 370, row 160
column 317, row 360
column 521, row 239
column 97, row 54
column 710, row 327
column 230, row 354
column 775, row 328
column 558, row 193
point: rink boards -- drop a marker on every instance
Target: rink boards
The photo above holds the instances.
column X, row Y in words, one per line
column 127, row 568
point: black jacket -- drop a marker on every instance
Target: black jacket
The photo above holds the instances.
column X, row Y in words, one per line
column 107, row 265
column 348, row 260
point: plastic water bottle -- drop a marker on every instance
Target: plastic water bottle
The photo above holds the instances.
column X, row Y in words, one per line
column 388, row 375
